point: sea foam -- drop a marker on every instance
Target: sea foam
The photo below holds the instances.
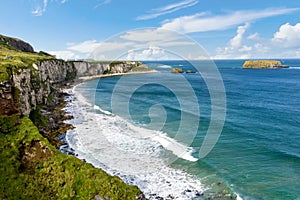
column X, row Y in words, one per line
column 138, row 155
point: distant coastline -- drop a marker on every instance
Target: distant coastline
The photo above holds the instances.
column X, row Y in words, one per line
column 88, row 78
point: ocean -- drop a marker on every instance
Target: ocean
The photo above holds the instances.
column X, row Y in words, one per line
column 149, row 128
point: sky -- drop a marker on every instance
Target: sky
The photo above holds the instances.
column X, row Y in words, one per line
column 156, row 29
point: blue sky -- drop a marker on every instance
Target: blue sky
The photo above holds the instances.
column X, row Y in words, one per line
column 73, row 29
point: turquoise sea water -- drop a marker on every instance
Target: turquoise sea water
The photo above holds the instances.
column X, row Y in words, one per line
column 258, row 153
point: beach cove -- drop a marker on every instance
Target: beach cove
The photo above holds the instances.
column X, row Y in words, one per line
column 209, row 174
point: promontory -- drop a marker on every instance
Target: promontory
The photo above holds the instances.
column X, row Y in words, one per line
column 31, row 119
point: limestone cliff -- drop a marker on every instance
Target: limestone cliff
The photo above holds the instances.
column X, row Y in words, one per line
column 37, row 85
column 31, row 167
column 94, row 68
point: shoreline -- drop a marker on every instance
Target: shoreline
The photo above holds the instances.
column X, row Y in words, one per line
column 75, row 101
column 68, row 115
column 149, row 192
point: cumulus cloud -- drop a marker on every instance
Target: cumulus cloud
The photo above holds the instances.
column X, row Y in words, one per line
column 201, row 23
column 236, row 48
column 285, row 43
column 288, row 35
column 236, row 41
column 151, row 53
column 65, row 54
column 85, row 47
column 167, row 9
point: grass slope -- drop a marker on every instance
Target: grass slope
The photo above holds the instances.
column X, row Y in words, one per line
column 13, row 59
column 31, row 168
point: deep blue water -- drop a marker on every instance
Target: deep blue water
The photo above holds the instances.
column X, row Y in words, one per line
column 258, row 152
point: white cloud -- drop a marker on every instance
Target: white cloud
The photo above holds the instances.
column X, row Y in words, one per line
column 65, row 54
column 40, row 9
column 85, row 47
column 199, row 23
column 235, row 46
column 245, row 48
column 253, row 36
column 168, row 9
column 262, row 48
column 288, row 36
column 102, row 2
column 236, row 41
column 151, row 53
column 148, row 44
column 149, row 35
column 285, row 43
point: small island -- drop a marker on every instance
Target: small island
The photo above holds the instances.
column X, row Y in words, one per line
column 263, row 64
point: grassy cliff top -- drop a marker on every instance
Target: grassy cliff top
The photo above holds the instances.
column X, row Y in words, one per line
column 31, row 168
column 261, row 63
column 14, row 59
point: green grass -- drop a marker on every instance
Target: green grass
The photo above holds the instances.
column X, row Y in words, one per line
column 31, row 168
column 18, row 61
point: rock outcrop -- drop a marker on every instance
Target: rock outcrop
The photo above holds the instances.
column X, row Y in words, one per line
column 263, row 64
column 36, row 86
column 177, row 70
column 16, row 43
column 9, row 103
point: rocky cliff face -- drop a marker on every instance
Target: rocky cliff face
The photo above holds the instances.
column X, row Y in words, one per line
column 30, row 85
column 9, row 103
column 90, row 68
column 16, row 43
column 28, row 79
column 97, row 68
column 37, row 86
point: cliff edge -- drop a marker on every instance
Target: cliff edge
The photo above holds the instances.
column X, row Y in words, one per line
column 31, row 166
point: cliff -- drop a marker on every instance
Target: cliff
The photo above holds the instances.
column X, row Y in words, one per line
column 31, row 167
column 16, row 43
column 94, row 68
column 263, row 64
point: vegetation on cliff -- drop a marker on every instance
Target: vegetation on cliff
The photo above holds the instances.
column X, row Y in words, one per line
column 31, row 167
column 13, row 60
